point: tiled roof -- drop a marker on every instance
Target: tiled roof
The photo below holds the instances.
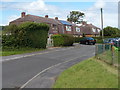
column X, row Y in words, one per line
column 37, row 19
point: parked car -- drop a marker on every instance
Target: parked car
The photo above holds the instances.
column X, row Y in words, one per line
column 109, row 41
column 88, row 40
column 117, row 42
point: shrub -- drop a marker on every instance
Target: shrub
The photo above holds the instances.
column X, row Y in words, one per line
column 77, row 39
column 28, row 34
column 58, row 40
column 98, row 39
column 68, row 40
column 63, row 40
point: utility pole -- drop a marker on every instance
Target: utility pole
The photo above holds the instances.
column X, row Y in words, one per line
column 102, row 24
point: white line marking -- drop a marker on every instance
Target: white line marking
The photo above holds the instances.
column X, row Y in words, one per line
column 46, row 70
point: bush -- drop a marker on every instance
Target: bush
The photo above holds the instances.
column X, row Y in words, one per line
column 68, row 40
column 58, row 40
column 77, row 39
column 98, row 39
column 28, row 34
column 63, row 40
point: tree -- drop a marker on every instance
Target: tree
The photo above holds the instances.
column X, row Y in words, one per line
column 75, row 17
column 110, row 31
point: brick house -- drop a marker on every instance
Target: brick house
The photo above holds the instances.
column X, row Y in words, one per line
column 55, row 26
column 90, row 30
column 59, row 26
column 77, row 30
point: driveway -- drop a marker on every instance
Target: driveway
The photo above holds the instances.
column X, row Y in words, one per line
column 40, row 70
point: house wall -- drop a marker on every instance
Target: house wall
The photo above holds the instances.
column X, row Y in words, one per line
column 68, row 32
column 76, row 32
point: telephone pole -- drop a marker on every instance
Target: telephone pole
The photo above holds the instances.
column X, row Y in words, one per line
column 102, row 24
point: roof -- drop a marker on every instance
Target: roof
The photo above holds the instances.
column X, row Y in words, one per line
column 37, row 19
column 65, row 22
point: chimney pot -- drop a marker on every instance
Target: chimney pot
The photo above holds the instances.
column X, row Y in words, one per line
column 23, row 14
column 56, row 18
column 84, row 23
column 46, row 16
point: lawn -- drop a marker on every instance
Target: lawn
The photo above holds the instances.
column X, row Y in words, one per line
column 18, row 51
column 90, row 73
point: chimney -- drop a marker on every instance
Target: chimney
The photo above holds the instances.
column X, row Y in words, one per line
column 46, row 16
column 56, row 18
column 84, row 23
column 23, row 14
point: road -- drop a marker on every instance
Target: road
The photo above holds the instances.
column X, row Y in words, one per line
column 17, row 72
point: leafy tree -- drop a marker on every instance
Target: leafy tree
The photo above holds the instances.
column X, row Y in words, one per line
column 110, row 31
column 75, row 17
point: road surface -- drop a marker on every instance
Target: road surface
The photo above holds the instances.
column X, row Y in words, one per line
column 15, row 73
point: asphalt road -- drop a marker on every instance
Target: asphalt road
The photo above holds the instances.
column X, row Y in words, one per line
column 17, row 72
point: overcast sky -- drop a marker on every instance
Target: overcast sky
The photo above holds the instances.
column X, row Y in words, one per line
column 11, row 10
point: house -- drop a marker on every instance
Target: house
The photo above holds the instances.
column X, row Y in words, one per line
column 90, row 30
column 77, row 30
column 66, row 27
column 60, row 26
column 55, row 26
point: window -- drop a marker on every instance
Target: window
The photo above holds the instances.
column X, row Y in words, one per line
column 68, row 28
column 77, row 29
column 98, row 30
column 93, row 29
column 53, row 26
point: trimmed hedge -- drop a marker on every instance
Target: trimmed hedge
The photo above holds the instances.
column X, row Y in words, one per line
column 63, row 40
column 28, row 34
column 77, row 39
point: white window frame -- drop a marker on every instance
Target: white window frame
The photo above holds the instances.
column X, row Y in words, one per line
column 98, row 30
column 68, row 28
column 94, row 30
column 77, row 29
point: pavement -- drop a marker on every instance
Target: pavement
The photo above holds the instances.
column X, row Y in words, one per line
column 41, row 69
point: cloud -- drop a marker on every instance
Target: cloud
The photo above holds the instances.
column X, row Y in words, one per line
column 100, row 4
column 93, row 14
column 7, row 0
column 35, row 7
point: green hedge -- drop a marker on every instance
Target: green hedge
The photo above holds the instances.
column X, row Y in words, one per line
column 63, row 40
column 77, row 39
column 28, row 34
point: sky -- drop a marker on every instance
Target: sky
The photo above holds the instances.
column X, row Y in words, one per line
column 11, row 10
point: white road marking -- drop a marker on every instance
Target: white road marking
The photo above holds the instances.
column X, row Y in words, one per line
column 46, row 70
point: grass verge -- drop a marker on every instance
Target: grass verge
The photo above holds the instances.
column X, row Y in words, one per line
column 90, row 73
column 18, row 51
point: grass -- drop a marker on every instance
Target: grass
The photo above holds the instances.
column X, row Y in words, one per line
column 90, row 73
column 18, row 51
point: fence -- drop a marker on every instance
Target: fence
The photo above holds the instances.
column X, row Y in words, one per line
column 108, row 53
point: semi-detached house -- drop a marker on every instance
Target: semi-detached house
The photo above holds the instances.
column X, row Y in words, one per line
column 59, row 26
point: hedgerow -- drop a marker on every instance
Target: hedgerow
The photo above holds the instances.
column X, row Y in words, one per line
column 28, row 34
column 63, row 40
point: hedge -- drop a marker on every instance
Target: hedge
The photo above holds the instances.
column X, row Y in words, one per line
column 28, row 34
column 63, row 40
